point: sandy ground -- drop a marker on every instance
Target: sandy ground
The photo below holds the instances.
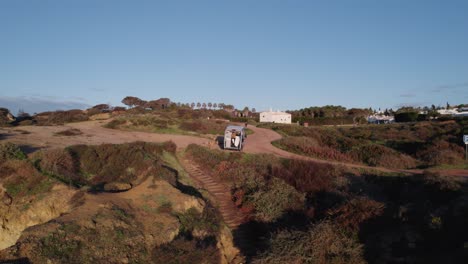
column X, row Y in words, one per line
column 38, row 137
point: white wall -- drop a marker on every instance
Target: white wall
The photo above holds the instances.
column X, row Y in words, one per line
column 275, row 117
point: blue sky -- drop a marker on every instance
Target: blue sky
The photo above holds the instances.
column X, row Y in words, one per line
column 262, row 54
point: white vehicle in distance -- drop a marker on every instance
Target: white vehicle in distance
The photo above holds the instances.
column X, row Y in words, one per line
column 234, row 137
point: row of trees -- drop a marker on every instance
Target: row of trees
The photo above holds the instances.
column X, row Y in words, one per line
column 331, row 111
column 163, row 103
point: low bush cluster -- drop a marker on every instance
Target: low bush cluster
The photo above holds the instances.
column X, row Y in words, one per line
column 306, row 212
column 323, row 242
column 10, row 151
column 60, row 117
column 69, row 132
column 394, row 146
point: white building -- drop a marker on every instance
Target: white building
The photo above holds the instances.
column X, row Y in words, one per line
column 454, row 112
column 275, row 117
column 380, row 119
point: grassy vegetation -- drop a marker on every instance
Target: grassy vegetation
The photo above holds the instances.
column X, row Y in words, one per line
column 400, row 146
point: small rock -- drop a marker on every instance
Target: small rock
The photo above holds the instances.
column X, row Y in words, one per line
column 117, row 187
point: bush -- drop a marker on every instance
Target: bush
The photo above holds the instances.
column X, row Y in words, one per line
column 183, row 250
column 406, row 117
column 306, row 176
column 441, row 152
column 60, row 117
column 381, row 156
column 69, row 132
column 193, row 221
column 21, row 178
column 10, row 151
column 272, row 199
column 322, row 243
column 356, row 211
column 309, row 147
column 114, row 124
column 439, row 182
column 59, row 163
column 124, row 163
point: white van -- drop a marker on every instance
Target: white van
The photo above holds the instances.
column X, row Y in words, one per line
column 234, row 137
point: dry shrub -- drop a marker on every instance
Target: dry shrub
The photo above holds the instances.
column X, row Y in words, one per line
column 69, row 132
column 116, row 123
column 125, row 162
column 439, row 182
column 356, row 211
column 203, row 127
column 209, row 159
column 322, row 243
column 310, row 147
column 60, row 117
column 381, row 156
column 170, row 146
column 441, row 152
column 59, row 163
column 182, row 250
column 307, row 176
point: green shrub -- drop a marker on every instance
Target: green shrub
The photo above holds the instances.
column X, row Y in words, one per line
column 10, row 151
column 406, row 117
column 23, row 179
column 206, row 222
column 271, row 200
column 57, row 246
column 115, row 123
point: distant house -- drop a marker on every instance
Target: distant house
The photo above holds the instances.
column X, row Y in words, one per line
column 454, row 112
column 275, row 117
column 380, row 119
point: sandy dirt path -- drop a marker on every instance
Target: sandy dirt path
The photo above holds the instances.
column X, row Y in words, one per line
column 37, row 137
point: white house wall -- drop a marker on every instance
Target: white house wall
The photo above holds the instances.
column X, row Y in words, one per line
column 271, row 117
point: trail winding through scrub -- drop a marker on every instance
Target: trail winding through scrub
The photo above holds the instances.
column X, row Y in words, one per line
column 36, row 137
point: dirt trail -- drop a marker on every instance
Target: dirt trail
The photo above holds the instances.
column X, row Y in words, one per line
column 260, row 142
column 93, row 134
column 34, row 137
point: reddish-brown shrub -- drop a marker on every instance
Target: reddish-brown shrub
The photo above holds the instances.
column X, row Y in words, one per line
column 356, row 211
column 441, row 152
column 310, row 147
column 378, row 155
column 59, row 163
column 307, row 176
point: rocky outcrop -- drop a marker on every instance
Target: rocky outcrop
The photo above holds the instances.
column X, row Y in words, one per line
column 16, row 216
column 117, row 187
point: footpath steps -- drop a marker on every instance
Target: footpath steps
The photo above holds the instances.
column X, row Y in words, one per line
column 231, row 215
column 221, row 193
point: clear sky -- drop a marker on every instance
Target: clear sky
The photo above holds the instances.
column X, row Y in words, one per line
column 273, row 53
